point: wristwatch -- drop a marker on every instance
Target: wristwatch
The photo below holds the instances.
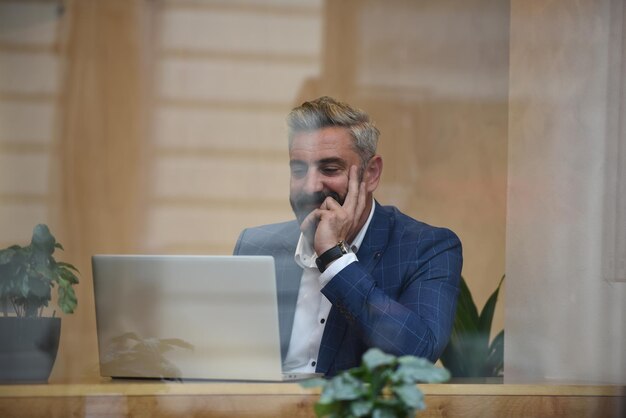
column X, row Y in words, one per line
column 330, row 255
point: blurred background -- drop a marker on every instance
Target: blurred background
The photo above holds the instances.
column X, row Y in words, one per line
column 157, row 126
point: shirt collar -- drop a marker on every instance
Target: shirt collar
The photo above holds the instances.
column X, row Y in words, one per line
column 305, row 254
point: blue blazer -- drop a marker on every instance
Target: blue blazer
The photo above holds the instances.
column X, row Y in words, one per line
column 400, row 296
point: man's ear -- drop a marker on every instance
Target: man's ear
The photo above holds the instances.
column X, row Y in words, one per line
column 373, row 172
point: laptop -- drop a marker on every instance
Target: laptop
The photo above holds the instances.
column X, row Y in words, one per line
column 188, row 317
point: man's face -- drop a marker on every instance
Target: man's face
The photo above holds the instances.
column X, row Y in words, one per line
column 320, row 163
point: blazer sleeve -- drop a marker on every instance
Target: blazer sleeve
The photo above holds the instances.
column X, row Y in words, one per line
column 410, row 311
column 237, row 249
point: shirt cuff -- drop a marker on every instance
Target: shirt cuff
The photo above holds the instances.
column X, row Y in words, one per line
column 336, row 266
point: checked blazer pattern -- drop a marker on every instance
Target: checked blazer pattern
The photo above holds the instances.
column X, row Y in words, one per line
column 400, row 296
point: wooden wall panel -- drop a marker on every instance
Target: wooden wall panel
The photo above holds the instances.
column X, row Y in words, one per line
column 29, row 88
column 226, row 75
column 101, row 146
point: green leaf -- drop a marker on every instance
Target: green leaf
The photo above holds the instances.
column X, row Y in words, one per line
column 486, row 316
column 24, row 288
column 39, row 288
column 379, row 378
column 467, row 312
column 361, row 408
column 476, row 348
column 43, row 239
column 67, row 299
column 67, row 275
column 413, row 369
column 6, row 256
column 410, row 395
column 494, row 366
column 375, row 357
column 68, row 266
column 344, row 387
column 383, row 412
column 44, row 271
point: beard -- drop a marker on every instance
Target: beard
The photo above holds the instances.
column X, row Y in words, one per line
column 302, row 203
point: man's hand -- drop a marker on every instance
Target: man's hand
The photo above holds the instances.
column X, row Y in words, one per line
column 332, row 222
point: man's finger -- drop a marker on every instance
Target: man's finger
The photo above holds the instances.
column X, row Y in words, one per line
column 353, row 190
column 309, row 224
column 330, row 203
column 361, row 201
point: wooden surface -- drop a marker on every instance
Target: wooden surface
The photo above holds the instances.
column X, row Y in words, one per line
column 219, row 399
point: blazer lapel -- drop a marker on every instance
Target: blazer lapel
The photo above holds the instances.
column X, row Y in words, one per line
column 376, row 239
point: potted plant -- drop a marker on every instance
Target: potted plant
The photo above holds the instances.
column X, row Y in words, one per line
column 29, row 340
column 383, row 386
column 469, row 353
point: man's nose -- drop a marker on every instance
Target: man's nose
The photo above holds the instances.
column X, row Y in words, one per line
column 313, row 182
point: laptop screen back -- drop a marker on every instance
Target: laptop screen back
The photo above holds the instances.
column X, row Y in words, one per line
column 188, row 317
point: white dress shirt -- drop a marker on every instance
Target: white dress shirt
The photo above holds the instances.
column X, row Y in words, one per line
column 312, row 307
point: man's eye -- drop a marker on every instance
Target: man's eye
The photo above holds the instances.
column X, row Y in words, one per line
column 298, row 171
column 329, row 171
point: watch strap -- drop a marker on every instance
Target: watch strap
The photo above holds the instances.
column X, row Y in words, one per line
column 330, row 255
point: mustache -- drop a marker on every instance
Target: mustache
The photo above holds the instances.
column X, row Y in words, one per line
column 316, row 199
column 303, row 203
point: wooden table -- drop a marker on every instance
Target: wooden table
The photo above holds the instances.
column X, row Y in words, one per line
column 219, row 399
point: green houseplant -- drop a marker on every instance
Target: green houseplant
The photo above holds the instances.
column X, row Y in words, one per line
column 384, row 386
column 469, row 353
column 28, row 274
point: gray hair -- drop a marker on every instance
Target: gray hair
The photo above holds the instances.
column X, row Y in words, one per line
column 325, row 112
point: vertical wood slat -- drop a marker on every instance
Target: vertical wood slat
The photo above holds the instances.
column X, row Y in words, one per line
column 100, row 151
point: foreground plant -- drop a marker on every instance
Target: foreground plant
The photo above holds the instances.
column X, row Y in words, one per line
column 28, row 274
column 384, row 386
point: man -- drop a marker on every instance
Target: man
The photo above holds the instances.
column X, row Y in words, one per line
column 352, row 274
